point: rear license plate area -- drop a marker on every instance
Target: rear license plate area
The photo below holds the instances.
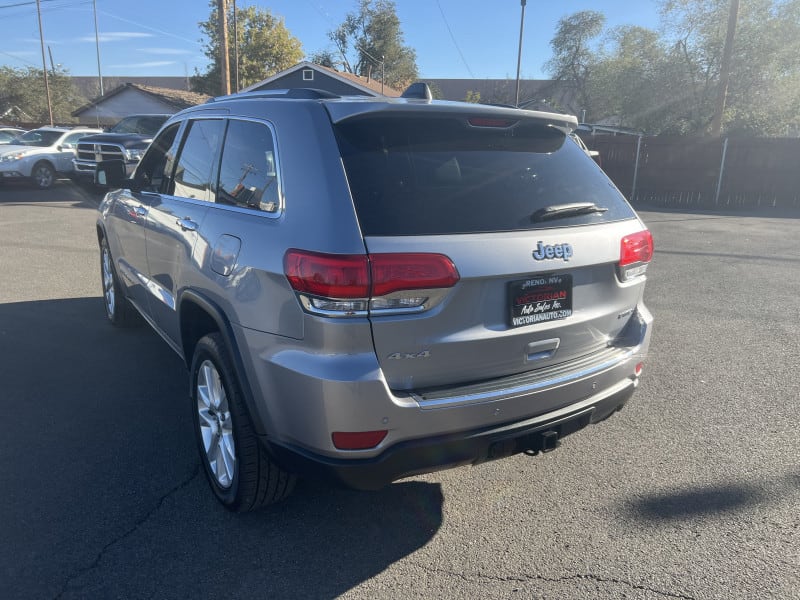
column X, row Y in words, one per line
column 539, row 299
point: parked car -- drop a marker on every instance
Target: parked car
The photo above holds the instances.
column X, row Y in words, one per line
column 40, row 154
column 368, row 289
column 8, row 134
column 126, row 141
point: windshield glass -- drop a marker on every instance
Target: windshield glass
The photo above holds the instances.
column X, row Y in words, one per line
column 148, row 125
column 443, row 175
column 39, row 137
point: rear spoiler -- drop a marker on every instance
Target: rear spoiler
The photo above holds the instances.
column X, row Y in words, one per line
column 390, row 107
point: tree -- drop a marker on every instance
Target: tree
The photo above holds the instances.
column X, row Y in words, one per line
column 23, row 98
column 667, row 81
column 573, row 58
column 631, row 80
column 472, row 97
column 264, row 43
column 370, row 43
column 763, row 95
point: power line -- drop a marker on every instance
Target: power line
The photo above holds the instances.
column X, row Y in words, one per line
column 19, row 58
column 32, row 3
column 153, row 29
column 452, row 37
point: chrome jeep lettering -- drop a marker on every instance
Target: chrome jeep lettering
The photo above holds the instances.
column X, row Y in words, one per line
column 546, row 251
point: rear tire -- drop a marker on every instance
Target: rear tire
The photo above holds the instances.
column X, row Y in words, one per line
column 118, row 310
column 240, row 472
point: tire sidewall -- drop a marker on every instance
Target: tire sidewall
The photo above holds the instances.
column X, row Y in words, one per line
column 104, row 249
column 39, row 165
column 208, row 349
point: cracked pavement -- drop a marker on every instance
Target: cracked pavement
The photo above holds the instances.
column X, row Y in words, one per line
column 691, row 492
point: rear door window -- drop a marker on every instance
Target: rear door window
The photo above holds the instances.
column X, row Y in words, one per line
column 248, row 176
column 431, row 176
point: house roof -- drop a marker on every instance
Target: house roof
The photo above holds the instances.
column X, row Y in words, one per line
column 178, row 99
column 370, row 87
column 89, row 86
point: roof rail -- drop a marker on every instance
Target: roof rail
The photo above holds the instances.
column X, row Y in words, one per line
column 294, row 93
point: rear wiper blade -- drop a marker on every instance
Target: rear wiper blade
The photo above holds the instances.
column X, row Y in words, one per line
column 560, row 211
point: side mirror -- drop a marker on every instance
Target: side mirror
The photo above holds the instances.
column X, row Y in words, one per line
column 64, row 147
column 110, row 173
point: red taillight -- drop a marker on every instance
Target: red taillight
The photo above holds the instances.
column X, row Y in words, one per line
column 352, row 283
column 357, row 440
column 636, row 248
column 398, row 272
column 327, row 275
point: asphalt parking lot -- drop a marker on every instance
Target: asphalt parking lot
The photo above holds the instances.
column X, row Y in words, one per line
column 691, row 492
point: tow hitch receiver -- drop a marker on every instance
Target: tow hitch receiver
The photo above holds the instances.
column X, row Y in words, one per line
column 549, row 441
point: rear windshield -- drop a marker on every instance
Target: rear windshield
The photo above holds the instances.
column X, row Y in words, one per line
column 442, row 175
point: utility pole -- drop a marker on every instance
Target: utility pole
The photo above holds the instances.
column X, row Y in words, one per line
column 222, row 32
column 44, row 64
column 235, row 50
column 97, row 47
column 725, row 70
column 52, row 63
column 519, row 53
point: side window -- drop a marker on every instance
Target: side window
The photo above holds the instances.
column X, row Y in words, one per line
column 74, row 137
column 152, row 174
column 195, row 167
column 248, row 175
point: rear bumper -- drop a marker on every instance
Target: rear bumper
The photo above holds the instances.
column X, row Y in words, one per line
column 300, row 398
column 541, row 433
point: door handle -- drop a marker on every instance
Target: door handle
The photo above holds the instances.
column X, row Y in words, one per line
column 186, row 224
column 542, row 349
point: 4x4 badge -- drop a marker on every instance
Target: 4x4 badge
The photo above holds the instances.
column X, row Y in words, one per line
column 407, row 355
column 543, row 252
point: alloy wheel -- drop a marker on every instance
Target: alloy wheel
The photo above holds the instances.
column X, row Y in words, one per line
column 43, row 176
column 108, row 282
column 216, row 428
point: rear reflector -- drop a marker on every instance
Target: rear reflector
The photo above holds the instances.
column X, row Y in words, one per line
column 357, row 440
column 638, row 369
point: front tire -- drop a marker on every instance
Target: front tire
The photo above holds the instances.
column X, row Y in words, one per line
column 240, row 472
column 43, row 175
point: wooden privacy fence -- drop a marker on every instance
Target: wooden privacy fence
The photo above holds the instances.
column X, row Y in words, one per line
column 702, row 172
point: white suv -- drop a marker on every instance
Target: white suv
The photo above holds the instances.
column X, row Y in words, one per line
column 41, row 153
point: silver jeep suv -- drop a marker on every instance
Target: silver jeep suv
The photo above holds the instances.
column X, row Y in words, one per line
column 367, row 289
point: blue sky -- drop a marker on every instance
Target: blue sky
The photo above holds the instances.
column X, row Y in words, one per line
column 452, row 38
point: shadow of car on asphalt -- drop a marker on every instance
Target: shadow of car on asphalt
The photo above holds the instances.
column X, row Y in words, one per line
column 64, row 190
column 104, row 497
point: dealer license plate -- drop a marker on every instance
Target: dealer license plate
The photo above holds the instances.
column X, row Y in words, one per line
column 540, row 299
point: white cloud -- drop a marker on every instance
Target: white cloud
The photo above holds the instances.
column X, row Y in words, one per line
column 143, row 65
column 116, row 36
column 165, row 51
